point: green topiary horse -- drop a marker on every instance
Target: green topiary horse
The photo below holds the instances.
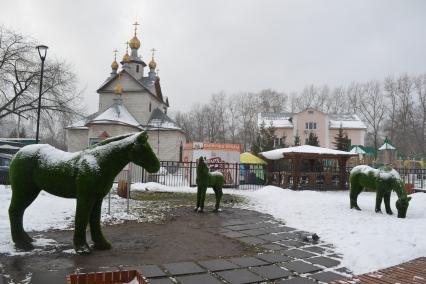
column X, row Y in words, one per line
column 204, row 180
column 383, row 180
column 87, row 176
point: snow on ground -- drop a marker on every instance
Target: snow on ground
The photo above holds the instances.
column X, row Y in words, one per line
column 367, row 241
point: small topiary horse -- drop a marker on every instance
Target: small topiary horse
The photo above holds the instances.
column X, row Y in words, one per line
column 87, row 176
column 204, row 180
column 383, row 180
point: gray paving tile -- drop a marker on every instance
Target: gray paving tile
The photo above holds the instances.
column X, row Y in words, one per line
column 273, row 247
column 197, row 279
column 233, row 234
column 270, row 238
column 44, row 277
column 232, row 222
column 271, row 272
column 344, row 270
column 301, row 267
column 252, row 240
column 218, row 264
column 3, row 280
column 297, row 280
column 291, row 243
column 327, row 276
column 248, row 261
column 239, row 227
column 298, row 253
column 179, row 268
column 253, row 232
column 279, row 229
column 239, row 276
column 150, row 270
column 316, row 249
column 324, row 261
column 161, row 281
column 336, row 255
column 273, row 257
column 288, row 236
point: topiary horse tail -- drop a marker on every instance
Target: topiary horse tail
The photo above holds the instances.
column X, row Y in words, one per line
column 204, row 180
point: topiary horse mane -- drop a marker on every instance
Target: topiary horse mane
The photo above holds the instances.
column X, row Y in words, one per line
column 204, row 180
column 87, row 176
column 383, row 180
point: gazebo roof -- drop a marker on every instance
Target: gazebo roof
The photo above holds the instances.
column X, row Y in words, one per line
column 306, row 151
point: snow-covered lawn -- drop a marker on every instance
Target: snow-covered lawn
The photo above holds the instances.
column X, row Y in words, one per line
column 367, row 241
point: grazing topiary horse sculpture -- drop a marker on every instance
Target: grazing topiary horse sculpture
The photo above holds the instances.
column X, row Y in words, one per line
column 87, row 176
column 383, row 180
column 204, row 180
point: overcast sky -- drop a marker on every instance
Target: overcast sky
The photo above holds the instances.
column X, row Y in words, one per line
column 226, row 45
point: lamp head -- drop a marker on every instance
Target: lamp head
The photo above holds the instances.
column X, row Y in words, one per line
column 42, row 51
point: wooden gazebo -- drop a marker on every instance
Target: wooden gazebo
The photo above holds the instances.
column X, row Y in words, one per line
column 308, row 168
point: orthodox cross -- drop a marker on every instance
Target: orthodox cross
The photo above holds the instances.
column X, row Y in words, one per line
column 136, row 24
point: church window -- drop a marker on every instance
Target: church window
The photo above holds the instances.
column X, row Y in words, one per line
column 137, row 68
column 150, row 106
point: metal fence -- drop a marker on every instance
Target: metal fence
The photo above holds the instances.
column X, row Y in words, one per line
column 242, row 176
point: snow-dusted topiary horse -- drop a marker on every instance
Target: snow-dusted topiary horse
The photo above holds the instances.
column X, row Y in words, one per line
column 383, row 180
column 204, row 180
column 87, row 176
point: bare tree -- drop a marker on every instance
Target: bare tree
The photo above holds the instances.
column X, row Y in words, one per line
column 372, row 108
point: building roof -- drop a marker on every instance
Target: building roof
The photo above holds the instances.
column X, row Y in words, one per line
column 115, row 114
column 159, row 119
column 285, row 120
column 249, row 158
column 357, row 150
column 346, row 120
column 281, row 119
column 303, row 150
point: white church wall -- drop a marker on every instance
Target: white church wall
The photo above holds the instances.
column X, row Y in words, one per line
column 136, row 103
column 77, row 139
column 169, row 142
column 113, row 130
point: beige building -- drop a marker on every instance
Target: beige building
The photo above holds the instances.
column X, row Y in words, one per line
column 325, row 126
column 131, row 101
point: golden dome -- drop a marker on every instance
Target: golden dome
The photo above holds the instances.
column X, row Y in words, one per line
column 126, row 57
column 152, row 64
column 118, row 89
column 135, row 43
column 114, row 65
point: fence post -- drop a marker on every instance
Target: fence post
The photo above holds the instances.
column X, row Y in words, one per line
column 237, row 176
column 190, row 173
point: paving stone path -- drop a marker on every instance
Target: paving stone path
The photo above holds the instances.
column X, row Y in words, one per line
column 285, row 255
column 288, row 256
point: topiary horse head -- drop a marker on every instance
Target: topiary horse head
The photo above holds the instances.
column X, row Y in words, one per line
column 204, row 180
column 383, row 180
column 87, row 176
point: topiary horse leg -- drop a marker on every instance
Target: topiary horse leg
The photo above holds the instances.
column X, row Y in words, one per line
column 82, row 214
column 20, row 201
column 386, row 199
column 198, row 198
column 203, row 191
column 218, row 194
column 95, row 228
column 379, row 197
column 354, row 192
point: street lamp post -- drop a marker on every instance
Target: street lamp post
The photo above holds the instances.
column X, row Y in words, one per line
column 42, row 51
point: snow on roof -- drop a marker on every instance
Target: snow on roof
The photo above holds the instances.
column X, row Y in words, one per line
column 159, row 119
column 117, row 113
column 304, row 149
column 345, row 120
column 386, row 146
column 357, row 150
column 282, row 120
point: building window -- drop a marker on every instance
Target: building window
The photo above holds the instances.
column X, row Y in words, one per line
column 137, row 68
column 278, row 142
column 165, row 110
column 310, row 125
column 93, row 141
column 150, row 106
